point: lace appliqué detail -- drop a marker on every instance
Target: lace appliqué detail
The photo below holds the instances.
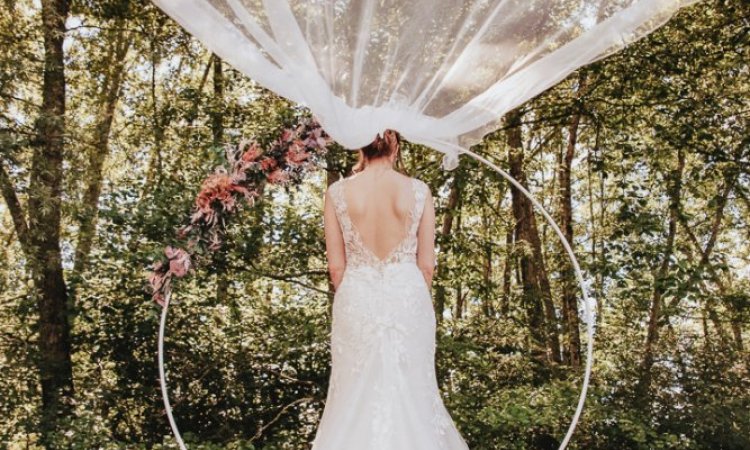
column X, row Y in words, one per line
column 382, row 417
column 357, row 254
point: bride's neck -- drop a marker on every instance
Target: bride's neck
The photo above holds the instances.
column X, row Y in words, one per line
column 378, row 166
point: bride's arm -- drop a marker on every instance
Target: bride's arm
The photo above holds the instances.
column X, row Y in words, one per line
column 334, row 242
column 426, row 240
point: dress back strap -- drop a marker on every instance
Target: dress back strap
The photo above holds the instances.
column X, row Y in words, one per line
column 420, row 193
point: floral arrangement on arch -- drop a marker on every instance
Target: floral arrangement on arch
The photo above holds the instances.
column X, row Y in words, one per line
column 250, row 166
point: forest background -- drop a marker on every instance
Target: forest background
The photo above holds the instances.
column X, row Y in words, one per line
column 111, row 116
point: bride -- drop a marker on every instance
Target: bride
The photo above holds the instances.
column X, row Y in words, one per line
column 383, row 392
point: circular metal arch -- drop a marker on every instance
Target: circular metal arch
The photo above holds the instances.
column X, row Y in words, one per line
column 579, row 276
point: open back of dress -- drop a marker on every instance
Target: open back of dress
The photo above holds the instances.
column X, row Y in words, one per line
column 386, row 223
column 381, row 211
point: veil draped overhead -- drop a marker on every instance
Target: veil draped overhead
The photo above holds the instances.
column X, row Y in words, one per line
column 441, row 72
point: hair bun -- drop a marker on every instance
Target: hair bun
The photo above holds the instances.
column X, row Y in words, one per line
column 379, row 147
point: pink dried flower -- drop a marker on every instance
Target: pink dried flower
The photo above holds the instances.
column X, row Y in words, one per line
column 183, row 231
column 178, row 268
column 155, row 280
column 238, row 174
column 219, row 195
column 179, row 261
column 268, row 163
column 199, row 214
column 249, row 195
column 158, row 282
column 252, row 153
column 215, row 242
column 278, row 176
column 296, row 153
column 316, row 139
column 218, row 187
column 214, row 186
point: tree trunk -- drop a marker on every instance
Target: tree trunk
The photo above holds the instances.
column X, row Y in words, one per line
column 217, row 113
column 537, row 296
column 108, row 98
column 487, row 307
column 44, row 211
column 445, row 233
column 159, row 121
column 704, row 263
column 652, row 334
column 572, row 352
column 595, row 261
column 706, row 334
column 507, row 270
column 17, row 214
column 736, row 324
column 460, row 296
column 459, row 308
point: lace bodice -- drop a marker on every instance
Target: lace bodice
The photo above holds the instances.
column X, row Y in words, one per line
column 357, row 253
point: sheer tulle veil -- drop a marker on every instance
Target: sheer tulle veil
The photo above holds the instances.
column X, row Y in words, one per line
column 441, row 72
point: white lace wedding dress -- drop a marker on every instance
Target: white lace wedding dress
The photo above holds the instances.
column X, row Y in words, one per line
column 383, row 392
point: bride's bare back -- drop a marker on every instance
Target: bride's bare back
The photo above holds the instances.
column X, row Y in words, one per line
column 379, row 204
column 379, row 207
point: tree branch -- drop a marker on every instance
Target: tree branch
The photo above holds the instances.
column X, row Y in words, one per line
column 15, row 209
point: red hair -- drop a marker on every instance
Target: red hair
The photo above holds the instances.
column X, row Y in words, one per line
column 379, row 148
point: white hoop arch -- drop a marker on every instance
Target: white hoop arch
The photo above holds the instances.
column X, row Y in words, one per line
column 589, row 316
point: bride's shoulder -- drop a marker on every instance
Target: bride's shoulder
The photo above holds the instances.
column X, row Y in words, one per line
column 422, row 185
column 336, row 184
column 340, row 180
column 333, row 186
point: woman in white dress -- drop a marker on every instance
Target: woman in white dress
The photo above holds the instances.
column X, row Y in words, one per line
column 383, row 392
